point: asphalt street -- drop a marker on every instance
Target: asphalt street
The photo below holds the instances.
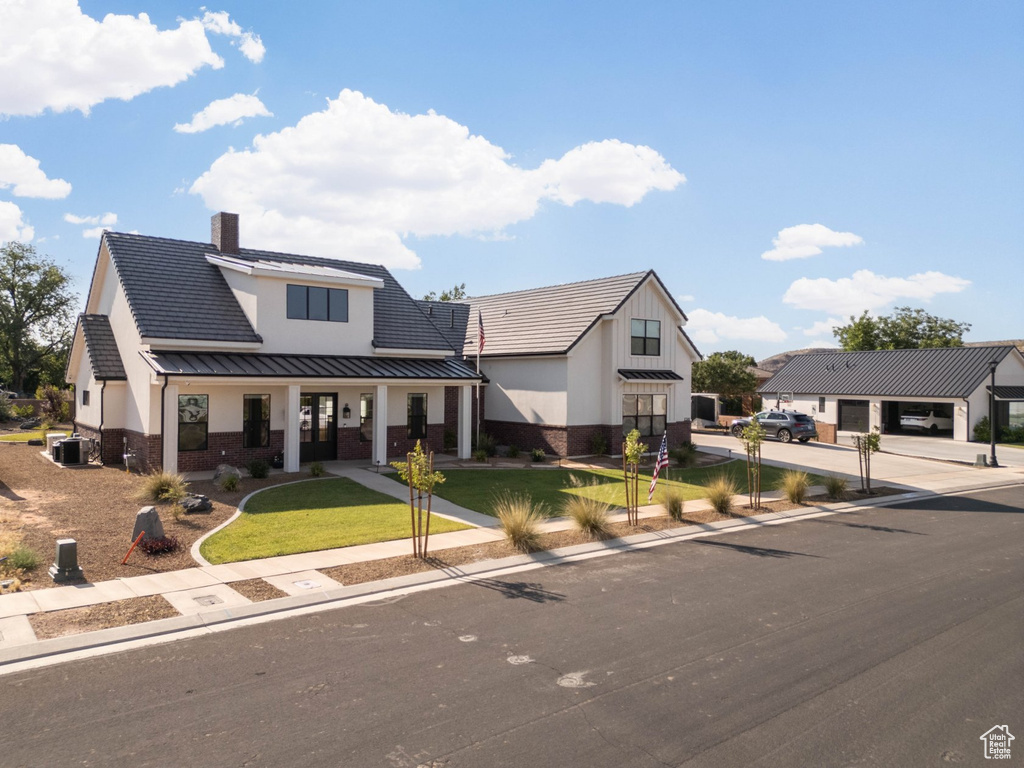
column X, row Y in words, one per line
column 886, row 637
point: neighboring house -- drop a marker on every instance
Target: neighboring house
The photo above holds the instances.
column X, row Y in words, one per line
column 569, row 362
column 193, row 354
column 860, row 391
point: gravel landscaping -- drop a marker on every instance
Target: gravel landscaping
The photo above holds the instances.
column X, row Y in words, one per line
column 91, row 618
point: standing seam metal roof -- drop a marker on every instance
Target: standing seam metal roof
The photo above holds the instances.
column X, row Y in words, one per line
column 940, row 372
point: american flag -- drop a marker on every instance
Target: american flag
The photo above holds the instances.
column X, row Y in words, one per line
column 480, row 323
column 659, row 465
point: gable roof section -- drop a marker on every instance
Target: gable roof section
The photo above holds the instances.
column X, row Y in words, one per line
column 175, row 293
column 550, row 320
column 102, row 348
column 942, row 372
column 451, row 319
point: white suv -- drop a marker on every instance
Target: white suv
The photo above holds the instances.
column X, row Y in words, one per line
column 926, row 419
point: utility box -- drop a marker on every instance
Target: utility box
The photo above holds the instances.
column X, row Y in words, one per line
column 65, row 565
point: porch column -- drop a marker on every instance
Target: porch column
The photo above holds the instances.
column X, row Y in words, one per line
column 170, row 435
column 465, row 421
column 380, row 424
column 291, row 429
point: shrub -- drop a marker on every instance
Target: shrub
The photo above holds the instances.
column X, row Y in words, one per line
column 720, row 490
column 159, row 546
column 164, row 486
column 513, row 451
column 835, row 487
column 520, row 519
column 450, row 441
column 598, row 444
column 1013, row 434
column 480, row 455
column 685, row 455
column 589, row 515
column 982, row 430
column 316, row 469
column 538, row 456
column 229, row 483
column 487, row 444
column 55, row 406
column 258, row 468
column 794, row 485
column 23, row 411
column 672, row 500
column 21, row 558
column 7, row 410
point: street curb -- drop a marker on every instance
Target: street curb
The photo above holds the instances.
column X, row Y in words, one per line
column 218, row 619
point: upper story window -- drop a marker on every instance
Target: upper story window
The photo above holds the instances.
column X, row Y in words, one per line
column 306, row 302
column 645, row 337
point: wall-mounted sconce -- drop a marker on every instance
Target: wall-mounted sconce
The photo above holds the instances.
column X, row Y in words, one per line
column 346, row 412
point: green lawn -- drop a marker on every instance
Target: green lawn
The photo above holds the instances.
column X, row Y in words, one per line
column 25, row 435
column 313, row 515
column 476, row 488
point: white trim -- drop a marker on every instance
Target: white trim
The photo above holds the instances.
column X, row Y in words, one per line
column 312, row 383
column 283, row 270
column 399, row 352
column 185, row 345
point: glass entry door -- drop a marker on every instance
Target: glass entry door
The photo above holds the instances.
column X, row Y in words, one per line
column 318, row 427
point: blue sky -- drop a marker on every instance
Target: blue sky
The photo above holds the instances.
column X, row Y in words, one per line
column 780, row 165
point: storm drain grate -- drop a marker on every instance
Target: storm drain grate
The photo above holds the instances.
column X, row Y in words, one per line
column 307, row 584
column 208, row 600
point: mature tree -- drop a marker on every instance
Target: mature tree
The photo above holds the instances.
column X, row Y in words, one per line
column 36, row 311
column 905, row 328
column 725, row 373
column 457, row 293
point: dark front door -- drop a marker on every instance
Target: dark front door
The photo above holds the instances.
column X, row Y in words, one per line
column 318, row 427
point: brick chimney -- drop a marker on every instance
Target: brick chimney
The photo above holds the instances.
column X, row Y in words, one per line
column 224, row 232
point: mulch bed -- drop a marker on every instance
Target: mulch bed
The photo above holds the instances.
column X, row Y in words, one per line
column 257, row 590
column 91, row 618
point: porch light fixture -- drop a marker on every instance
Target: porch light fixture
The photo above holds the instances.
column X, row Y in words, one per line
column 992, row 414
column 346, row 412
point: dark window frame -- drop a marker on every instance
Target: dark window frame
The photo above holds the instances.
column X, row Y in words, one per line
column 194, row 413
column 644, row 413
column 255, row 432
column 311, row 302
column 645, row 339
column 416, row 423
column 85, row 397
column 365, row 415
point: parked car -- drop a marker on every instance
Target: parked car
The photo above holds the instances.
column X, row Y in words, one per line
column 926, row 419
column 784, row 425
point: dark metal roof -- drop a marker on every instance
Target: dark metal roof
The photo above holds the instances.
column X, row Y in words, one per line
column 943, row 372
column 649, row 375
column 174, row 293
column 1008, row 392
column 307, row 366
column 102, row 348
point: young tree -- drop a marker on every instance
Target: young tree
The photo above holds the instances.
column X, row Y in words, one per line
column 632, row 452
column 418, row 471
column 866, row 444
column 752, row 436
column 36, row 311
column 905, row 328
column 457, row 293
column 725, row 374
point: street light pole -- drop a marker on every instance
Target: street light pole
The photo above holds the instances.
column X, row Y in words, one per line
column 992, row 414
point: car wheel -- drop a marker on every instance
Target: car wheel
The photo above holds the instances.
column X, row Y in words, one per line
column 785, row 435
column 934, row 429
column 803, row 439
column 737, row 430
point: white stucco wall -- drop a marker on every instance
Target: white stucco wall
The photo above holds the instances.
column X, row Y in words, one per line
column 526, row 390
column 1009, row 372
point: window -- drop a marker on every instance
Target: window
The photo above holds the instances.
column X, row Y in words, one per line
column 645, row 413
column 255, row 421
column 193, row 416
column 85, row 397
column 366, row 418
column 417, row 417
column 306, row 302
column 645, row 337
column 821, row 405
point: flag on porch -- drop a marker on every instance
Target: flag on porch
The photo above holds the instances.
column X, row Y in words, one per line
column 480, row 323
column 661, row 463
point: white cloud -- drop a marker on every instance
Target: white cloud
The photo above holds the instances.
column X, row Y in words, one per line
column 231, row 110
column 866, row 290
column 709, row 327
column 824, row 327
column 248, row 43
column 23, row 173
column 805, row 240
column 685, row 299
column 354, row 179
column 12, row 227
column 104, row 222
column 53, row 56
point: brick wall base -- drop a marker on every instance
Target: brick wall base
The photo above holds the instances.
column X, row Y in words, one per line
column 575, row 440
column 399, row 444
column 111, row 442
column 226, row 448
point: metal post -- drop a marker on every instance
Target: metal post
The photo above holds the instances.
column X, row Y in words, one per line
column 992, row 415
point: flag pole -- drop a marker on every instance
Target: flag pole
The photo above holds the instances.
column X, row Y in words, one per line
column 479, row 346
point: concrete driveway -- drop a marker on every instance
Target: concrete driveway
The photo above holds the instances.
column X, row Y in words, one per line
column 947, row 449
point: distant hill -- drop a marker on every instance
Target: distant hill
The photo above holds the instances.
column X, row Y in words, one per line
column 1018, row 343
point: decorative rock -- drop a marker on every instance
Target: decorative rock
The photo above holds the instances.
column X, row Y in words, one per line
column 195, row 503
column 31, row 424
column 148, row 519
column 226, row 469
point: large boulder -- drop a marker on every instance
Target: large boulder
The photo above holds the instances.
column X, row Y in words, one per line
column 147, row 520
column 196, row 503
column 224, row 470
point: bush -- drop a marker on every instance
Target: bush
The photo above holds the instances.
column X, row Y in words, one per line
column 520, row 519
column 538, row 456
column 794, row 485
column 258, row 469
column 164, row 486
column 229, row 483
column 21, row 558
column 598, row 444
column 480, row 455
column 720, row 490
column 450, row 441
column 982, row 430
column 487, row 444
column 55, row 406
column 7, row 410
column 589, row 515
column 316, row 469
column 513, row 452
column 159, row 546
column 835, row 487
column 685, row 455
column 1013, row 434
column 672, row 500
column 23, row 411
